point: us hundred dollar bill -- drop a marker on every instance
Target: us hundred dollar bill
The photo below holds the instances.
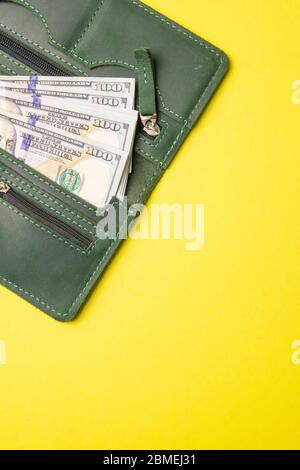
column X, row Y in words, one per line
column 81, row 84
column 103, row 127
column 111, row 128
column 91, row 171
column 110, row 101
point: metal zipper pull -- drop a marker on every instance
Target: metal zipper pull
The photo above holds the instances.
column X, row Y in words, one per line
column 150, row 125
column 4, row 188
column 147, row 92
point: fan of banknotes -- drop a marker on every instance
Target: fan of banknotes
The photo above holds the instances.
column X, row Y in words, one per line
column 79, row 132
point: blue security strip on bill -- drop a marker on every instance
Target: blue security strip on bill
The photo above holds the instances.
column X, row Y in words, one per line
column 77, row 131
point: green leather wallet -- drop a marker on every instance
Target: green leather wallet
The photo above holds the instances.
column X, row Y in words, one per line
column 50, row 254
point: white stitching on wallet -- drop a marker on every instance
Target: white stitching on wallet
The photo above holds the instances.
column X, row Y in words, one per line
column 155, row 174
column 93, row 17
column 14, row 62
column 43, row 180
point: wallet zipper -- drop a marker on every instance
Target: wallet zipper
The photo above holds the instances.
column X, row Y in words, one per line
column 30, row 58
column 17, row 200
column 147, row 95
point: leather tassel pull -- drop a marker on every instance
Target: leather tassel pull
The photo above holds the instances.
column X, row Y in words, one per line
column 147, row 92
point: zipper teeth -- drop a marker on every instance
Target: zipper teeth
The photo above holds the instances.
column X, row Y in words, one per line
column 29, row 57
column 12, row 196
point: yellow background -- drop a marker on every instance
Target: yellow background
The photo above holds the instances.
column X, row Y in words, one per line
column 182, row 349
